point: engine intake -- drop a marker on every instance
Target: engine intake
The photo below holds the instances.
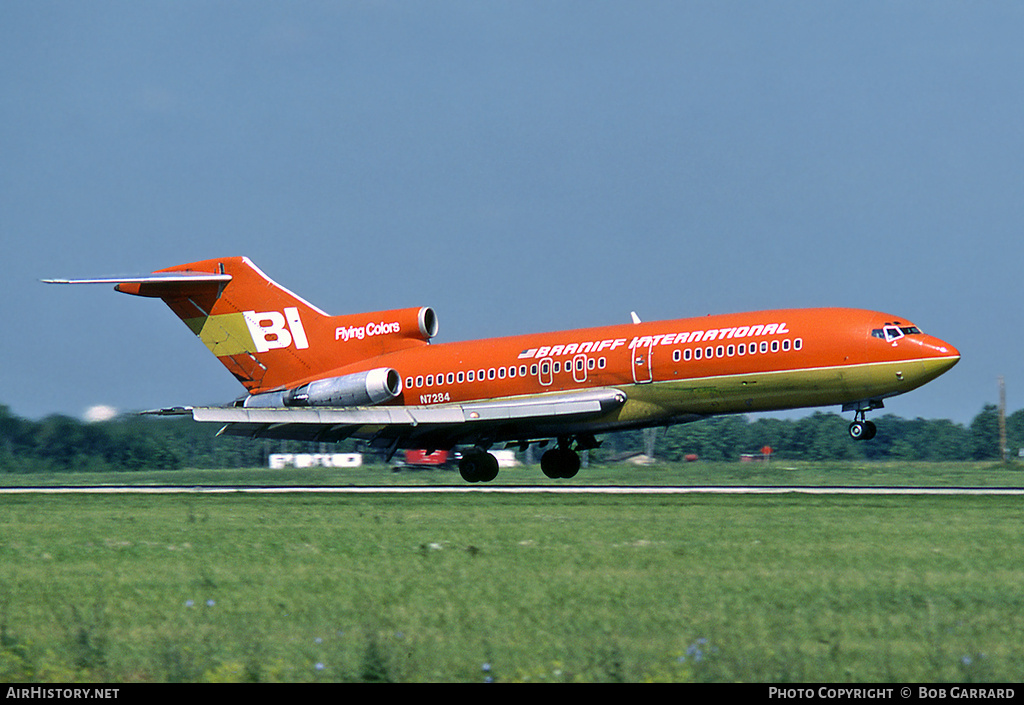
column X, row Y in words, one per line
column 384, row 326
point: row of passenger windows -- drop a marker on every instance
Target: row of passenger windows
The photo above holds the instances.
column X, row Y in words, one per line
column 737, row 349
column 546, row 367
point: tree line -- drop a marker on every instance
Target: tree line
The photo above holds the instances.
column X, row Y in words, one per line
column 823, row 436
column 63, row 443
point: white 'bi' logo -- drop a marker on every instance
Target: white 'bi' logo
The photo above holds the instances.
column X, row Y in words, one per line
column 271, row 329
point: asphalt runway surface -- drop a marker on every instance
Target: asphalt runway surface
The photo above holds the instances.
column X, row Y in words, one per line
column 515, row 489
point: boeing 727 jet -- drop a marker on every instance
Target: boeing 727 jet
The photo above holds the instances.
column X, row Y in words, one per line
column 376, row 376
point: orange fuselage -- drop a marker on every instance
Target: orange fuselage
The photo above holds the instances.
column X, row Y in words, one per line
column 732, row 363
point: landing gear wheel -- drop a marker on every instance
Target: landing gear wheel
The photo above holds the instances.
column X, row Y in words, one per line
column 862, row 430
column 560, row 463
column 490, row 470
column 572, row 464
column 478, row 467
column 549, row 464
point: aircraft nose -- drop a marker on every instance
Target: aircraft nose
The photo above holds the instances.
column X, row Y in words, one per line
column 942, row 354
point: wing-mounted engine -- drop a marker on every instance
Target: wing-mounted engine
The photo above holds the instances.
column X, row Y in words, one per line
column 358, row 389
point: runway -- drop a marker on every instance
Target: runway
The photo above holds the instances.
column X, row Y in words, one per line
column 515, row 489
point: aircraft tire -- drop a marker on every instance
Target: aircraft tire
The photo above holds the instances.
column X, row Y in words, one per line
column 469, row 468
column 549, row 464
column 572, row 464
column 489, row 468
column 862, row 430
column 560, row 464
column 478, row 467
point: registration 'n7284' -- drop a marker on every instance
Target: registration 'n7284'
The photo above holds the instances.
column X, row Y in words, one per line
column 436, row 398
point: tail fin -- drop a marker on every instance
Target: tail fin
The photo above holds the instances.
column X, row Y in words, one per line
column 266, row 336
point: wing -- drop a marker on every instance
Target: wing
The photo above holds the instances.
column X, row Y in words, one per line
column 440, row 426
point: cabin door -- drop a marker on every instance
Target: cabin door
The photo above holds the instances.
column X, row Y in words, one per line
column 642, row 370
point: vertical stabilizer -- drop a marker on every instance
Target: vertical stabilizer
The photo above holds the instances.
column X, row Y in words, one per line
column 268, row 337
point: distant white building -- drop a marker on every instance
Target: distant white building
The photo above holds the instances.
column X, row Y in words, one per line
column 506, row 458
column 279, row 461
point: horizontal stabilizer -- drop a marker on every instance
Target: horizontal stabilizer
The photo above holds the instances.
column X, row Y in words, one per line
column 160, row 285
column 168, row 278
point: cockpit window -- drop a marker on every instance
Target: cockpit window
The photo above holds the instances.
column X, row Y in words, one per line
column 893, row 332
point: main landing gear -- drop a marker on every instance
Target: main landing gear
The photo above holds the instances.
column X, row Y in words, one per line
column 478, row 466
column 561, row 462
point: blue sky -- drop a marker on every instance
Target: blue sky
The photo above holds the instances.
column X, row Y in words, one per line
column 519, row 166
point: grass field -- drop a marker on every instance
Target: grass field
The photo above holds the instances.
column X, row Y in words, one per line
column 512, row 588
column 701, row 473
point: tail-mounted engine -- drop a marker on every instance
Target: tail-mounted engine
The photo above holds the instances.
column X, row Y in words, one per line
column 384, row 326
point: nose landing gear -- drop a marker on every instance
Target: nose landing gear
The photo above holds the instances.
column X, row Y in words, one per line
column 861, row 429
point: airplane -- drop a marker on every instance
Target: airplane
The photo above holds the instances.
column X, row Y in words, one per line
column 377, row 377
